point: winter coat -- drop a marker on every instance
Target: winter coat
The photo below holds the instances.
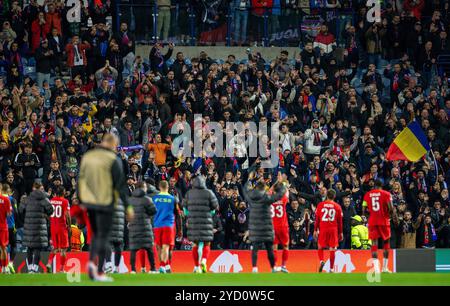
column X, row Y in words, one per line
column 118, row 223
column 310, row 146
column 36, row 208
column 260, row 224
column 200, row 201
column 140, row 229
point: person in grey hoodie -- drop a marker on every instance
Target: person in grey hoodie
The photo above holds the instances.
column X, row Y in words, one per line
column 314, row 137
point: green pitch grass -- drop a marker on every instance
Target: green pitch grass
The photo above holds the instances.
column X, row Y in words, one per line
column 242, row 279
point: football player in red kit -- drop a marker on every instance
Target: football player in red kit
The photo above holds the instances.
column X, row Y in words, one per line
column 328, row 228
column 5, row 211
column 378, row 204
column 281, row 229
column 59, row 227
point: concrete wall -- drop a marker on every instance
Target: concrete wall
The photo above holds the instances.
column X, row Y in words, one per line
column 223, row 52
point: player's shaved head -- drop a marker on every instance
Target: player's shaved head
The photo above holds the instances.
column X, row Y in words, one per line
column 109, row 141
column 331, row 194
column 378, row 184
column 60, row 191
column 163, row 186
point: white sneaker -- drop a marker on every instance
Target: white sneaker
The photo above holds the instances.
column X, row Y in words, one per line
column 103, row 278
column 197, row 269
column 143, row 270
column 277, row 269
column 168, row 269
column 133, row 272
column 255, row 270
column 153, row 272
column 109, row 268
column 386, row 270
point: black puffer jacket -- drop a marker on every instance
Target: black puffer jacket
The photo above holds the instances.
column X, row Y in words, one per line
column 199, row 202
column 36, row 208
column 260, row 223
column 118, row 224
column 140, row 229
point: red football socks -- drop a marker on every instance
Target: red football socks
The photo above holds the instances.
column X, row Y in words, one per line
column 63, row 262
column 284, row 257
column 51, row 257
column 332, row 257
column 195, row 255
column 206, row 251
column 321, row 254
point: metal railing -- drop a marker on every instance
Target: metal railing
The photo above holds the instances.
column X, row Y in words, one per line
column 229, row 25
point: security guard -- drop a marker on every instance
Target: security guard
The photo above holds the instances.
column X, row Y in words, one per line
column 101, row 183
column 360, row 234
column 76, row 237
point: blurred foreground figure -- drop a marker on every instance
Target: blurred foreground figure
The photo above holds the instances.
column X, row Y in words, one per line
column 101, row 182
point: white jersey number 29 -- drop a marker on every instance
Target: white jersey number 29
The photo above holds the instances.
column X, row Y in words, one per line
column 328, row 214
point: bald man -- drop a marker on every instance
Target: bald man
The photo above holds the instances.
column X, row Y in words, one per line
column 101, row 183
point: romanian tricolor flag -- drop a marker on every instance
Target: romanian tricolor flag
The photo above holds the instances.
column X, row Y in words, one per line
column 411, row 144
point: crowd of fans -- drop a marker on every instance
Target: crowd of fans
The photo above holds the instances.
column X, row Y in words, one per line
column 339, row 110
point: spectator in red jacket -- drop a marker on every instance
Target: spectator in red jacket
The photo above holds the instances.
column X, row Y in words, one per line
column 325, row 40
column 415, row 7
column 52, row 19
column 258, row 10
column 38, row 31
column 76, row 56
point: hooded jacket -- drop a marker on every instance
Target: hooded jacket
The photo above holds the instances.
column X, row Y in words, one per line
column 36, row 208
column 311, row 146
column 140, row 229
column 260, row 223
column 200, row 201
column 118, row 224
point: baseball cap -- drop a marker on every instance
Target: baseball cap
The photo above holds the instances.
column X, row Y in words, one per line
column 357, row 218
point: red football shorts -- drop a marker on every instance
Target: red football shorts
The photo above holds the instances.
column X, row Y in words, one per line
column 281, row 236
column 4, row 238
column 379, row 231
column 60, row 238
column 164, row 235
column 328, row 239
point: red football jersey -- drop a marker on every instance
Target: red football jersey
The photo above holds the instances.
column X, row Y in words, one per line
column 278, row 211
column 58, row 217
column 5, row 209
column 377, row 201
column 328, row 216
